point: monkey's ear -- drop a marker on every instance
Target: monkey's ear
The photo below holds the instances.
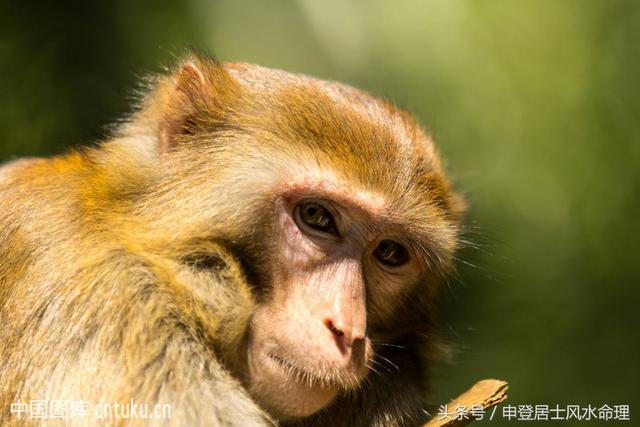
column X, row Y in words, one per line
column 196, row 95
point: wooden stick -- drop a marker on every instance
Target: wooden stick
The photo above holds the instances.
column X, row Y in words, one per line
column 487, row 393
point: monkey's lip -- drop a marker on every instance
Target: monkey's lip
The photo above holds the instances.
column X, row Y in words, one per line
column 331, row 380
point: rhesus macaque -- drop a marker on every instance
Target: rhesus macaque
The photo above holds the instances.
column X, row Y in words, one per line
column 252, row 247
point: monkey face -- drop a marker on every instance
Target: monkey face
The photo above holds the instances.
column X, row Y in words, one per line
column 334, row 252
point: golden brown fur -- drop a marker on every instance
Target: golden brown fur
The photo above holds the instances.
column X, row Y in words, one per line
column 132, row 269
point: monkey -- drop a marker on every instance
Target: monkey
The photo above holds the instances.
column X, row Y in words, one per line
column 252, row 247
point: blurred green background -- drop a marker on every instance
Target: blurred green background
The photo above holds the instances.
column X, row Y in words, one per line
column 535, row 105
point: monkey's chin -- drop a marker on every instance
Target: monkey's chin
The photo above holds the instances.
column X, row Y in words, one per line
column 285, row 391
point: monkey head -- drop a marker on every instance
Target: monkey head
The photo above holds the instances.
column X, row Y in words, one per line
column 336, row 205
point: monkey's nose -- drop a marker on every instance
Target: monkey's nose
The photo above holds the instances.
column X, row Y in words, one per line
column 346, row 337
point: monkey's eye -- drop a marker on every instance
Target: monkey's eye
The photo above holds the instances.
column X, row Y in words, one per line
column 317, row 217
column 391, row 253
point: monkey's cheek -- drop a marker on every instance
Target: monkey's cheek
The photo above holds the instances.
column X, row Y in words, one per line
column 285, row 394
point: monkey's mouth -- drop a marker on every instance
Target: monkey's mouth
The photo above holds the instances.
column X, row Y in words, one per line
column 316, row 377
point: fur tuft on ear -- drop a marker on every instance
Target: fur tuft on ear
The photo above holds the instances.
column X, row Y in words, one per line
column 197, row 94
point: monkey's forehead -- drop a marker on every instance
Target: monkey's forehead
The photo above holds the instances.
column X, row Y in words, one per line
column 282, row 87
column 366, row 138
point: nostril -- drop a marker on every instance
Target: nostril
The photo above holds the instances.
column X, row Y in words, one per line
column 338, row 336
column 333, row 328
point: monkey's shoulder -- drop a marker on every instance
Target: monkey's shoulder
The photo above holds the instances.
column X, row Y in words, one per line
column 37, row 204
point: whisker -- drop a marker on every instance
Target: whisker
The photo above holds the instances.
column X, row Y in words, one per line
column 382, row 365
column 383, row 344
column 390, row 362
column 373, row 369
